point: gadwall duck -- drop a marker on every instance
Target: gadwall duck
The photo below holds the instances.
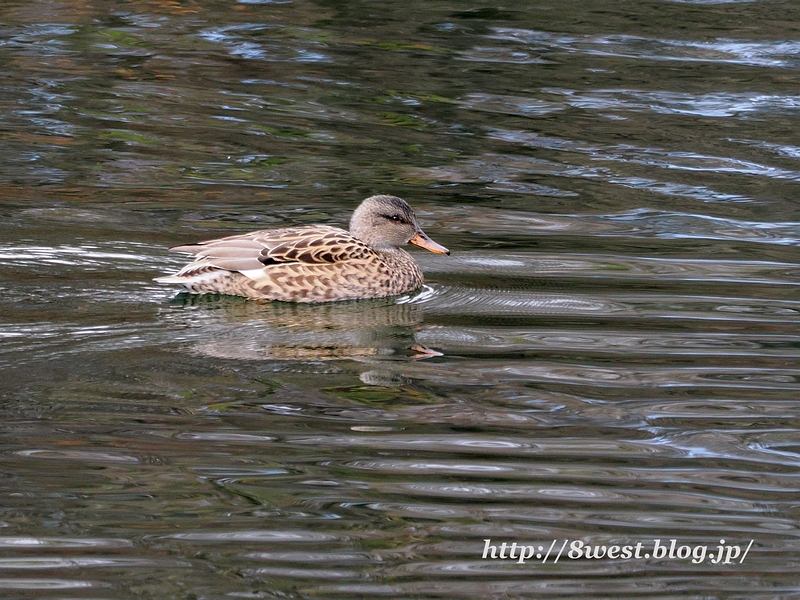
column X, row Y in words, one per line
column 317, row 263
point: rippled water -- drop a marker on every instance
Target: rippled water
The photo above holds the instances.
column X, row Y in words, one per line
column 618, row 324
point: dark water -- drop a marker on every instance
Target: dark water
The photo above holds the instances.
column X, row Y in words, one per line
column 619, row 322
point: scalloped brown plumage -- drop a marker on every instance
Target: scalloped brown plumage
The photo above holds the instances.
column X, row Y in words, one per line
column 318, row 263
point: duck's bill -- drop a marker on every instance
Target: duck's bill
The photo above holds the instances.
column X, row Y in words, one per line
column 423, row 241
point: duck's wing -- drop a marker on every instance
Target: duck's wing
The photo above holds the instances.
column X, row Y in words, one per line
column 252, row 252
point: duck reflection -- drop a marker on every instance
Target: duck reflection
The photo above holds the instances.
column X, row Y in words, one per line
column 236, row 328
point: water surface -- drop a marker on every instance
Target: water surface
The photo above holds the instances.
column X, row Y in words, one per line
column 619, row 322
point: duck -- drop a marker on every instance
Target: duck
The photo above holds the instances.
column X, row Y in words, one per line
column 316, row 263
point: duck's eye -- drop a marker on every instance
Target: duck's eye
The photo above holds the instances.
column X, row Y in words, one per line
column 396, row 218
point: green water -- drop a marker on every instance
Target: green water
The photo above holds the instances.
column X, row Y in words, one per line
column 618, row 323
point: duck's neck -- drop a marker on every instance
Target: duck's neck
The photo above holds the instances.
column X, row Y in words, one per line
column 401, row 261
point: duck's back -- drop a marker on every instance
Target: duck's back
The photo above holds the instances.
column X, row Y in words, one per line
column 297, row 264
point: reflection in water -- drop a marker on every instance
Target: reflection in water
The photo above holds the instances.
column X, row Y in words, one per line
column 236, row 328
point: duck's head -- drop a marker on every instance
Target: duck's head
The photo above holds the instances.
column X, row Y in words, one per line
column 388, row 222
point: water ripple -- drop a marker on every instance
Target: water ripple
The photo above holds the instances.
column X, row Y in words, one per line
column 88, row 562
column 476, row 301
column 779, row 149
column 615, row 336
column 509, row 105
column 62, row 542
column 520, row 446
column 711, row 104
column 727, row 51
column 78, row 455
column 564, row 493
column 49, row 584
column 40, row 39
column 483, row 372
column 93, row 255
column 653, row 157
column 271, row 536
column 504, row 169
column 246, row 41
column 521, row 265
column 487, row 340
column 635, row 223
column 678, row 225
